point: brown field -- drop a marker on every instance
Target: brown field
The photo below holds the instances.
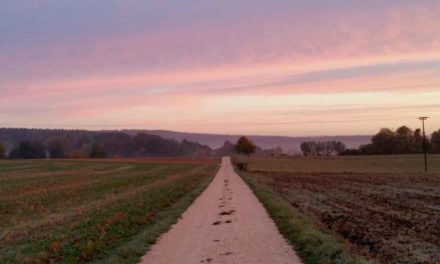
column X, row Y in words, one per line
column 384, row 214
column 156, row 160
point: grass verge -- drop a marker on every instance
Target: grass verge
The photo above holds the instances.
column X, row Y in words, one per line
column 312, row 245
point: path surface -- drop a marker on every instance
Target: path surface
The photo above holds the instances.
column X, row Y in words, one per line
column 226, row 224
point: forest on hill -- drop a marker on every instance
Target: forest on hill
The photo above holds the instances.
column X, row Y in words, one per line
column 24, row 143
column 57, row 143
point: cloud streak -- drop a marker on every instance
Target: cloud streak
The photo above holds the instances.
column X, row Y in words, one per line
column 109, row 61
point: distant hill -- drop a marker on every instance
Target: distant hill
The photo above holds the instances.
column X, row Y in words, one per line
column 290, row 145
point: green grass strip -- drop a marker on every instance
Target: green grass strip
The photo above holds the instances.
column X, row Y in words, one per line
column 312, row 245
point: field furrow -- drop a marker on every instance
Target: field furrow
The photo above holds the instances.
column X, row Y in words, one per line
column 78, row 214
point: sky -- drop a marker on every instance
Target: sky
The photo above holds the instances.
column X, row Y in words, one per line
column 279, row 67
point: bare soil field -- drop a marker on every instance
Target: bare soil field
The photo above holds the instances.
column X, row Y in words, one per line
column 386, row 215
column 94, row 210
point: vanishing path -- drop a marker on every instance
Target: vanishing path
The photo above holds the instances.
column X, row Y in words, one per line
column 226, row 224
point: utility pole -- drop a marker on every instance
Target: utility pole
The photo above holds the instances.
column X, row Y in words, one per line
column 423, row 118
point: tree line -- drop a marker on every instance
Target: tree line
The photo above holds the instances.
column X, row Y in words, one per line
column 56, row 144
column 322, row 148
column 47, row 143
column 23, row 143
column 401, row 141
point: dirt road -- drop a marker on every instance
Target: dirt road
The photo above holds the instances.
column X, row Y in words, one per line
column 226, row 224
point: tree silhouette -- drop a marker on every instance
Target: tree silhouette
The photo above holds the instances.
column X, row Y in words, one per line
column 435, row 141
column 97, row 152
column 327, row 148
column 56, row 148
column 245, row 146
column 2, row 151
column 29, row 150
column 385, row 141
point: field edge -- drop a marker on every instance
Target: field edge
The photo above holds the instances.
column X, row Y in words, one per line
column 311, row 244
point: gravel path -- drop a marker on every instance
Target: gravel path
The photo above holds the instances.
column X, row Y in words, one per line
column 226, row 224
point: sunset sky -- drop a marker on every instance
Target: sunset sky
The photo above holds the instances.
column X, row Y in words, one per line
column 281, row 67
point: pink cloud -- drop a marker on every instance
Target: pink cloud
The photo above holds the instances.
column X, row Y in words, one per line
column 182, row 69
column 252, row 40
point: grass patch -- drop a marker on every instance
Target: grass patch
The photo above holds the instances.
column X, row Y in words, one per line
column 312, row 245
column 131, row 250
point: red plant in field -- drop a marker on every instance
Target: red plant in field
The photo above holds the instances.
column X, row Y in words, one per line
column 5, row 236
column 55, row 246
